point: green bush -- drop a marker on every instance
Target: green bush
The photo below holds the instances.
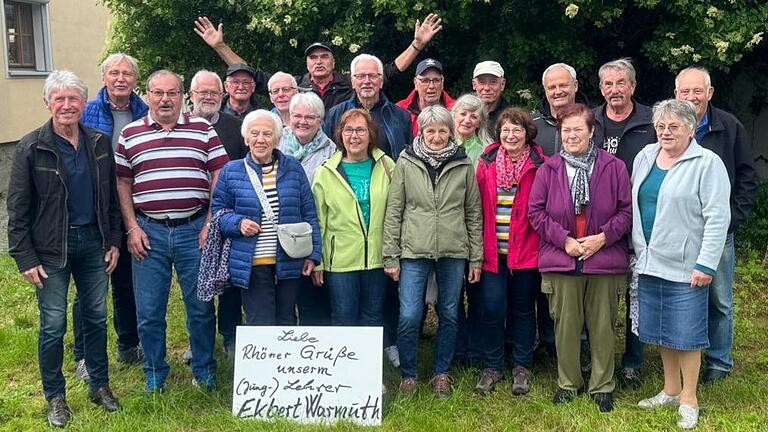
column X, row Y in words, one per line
column 753, row 234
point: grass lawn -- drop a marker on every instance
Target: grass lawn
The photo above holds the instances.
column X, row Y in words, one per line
column 738, row 404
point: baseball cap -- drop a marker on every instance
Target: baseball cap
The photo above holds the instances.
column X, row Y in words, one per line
column 429, row 64
column 490, row 68
column 316, row 45
column 237, row 67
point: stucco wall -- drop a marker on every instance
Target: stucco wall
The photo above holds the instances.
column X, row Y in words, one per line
column 78, row 36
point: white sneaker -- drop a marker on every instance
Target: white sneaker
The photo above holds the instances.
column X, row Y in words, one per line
column 393, row 355
column 81, row 371
column 187, row 356
column 661, row 399
column 689, row 417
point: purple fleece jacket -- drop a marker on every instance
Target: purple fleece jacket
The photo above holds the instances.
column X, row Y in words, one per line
column 552, row 215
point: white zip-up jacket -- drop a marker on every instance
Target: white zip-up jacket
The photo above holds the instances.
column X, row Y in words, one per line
column 692, row 214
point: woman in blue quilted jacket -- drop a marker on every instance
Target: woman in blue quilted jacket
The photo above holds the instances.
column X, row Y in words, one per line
column 258, row 265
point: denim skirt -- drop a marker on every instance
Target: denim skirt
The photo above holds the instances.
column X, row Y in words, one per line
column 672, row 314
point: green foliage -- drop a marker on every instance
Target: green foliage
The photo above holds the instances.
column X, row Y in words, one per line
column 524, row 36
column 753, row 234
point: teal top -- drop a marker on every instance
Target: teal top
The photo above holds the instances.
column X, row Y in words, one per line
column 359, row 178
column 647, row 199
column 647, row 202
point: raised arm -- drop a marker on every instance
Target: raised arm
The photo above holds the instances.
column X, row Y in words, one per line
column 214, row 38
column 422, row 34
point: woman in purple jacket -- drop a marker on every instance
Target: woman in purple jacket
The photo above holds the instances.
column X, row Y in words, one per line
column 581, row 206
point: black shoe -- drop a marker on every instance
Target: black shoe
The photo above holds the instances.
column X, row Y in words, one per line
column 58, row 411
column 604, row 401
column 103, row 396
column 712, row 375
column 563, row 396
column 630, row 378
column 131, row 356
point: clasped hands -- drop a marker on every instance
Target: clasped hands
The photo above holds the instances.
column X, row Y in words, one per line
column 583, row 248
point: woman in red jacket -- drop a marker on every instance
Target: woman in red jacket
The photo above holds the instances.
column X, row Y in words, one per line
column 511, row 279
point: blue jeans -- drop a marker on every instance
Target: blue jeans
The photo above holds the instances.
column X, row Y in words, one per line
column 269, row 301
column 85, row 264
column 720, row 331
column 357, row 297
column 123, row 303
column 172, row 247
column 633, row 349
column 469, row 336
column 314, row 303
column 517, row 293
column 229, row 315
column 413, row 284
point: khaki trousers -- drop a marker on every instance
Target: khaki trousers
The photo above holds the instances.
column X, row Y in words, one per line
column 573, row 302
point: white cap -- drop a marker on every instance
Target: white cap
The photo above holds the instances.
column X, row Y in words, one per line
column 490, row 68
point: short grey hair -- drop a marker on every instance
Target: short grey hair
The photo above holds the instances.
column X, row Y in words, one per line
column 571, row 71
column 204, row 72
column 622, row 64
column 472, row 103
column 681, row 109
column 309, row 100
column 261, row 114
column 162, row 72
column 116, row 58
column 281, row 74
column 707, row 78
column 366, row 57
column 435, row 114
column 60, row 80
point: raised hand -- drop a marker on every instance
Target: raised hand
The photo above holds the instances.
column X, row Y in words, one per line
column 210, row 34
column 425, row 31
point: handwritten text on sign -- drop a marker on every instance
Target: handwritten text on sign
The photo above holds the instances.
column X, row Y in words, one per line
column 308, row 374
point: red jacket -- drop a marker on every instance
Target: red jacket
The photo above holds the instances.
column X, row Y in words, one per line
column 523, row 248
column 411, row 104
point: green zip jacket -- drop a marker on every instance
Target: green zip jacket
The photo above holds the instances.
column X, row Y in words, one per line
column 348, row 245
column 444, row 221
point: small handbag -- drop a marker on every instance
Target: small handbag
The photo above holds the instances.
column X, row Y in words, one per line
column 294, row 238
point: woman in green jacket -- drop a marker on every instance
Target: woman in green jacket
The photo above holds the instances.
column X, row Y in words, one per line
column 433, row 224
column 350, row 192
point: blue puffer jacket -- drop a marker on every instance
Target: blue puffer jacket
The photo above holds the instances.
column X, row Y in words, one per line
column 235, row 192
column 98, row 113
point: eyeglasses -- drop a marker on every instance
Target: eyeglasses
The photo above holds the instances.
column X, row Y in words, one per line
column 282, row 89
column 356, row 131
column 308, row 118
column 116, row 73
column 237, row 83
column 673, row 128
column 207, row 94
column 160, row 93
column 428, row 81
column 364, row 76
column 514, row 130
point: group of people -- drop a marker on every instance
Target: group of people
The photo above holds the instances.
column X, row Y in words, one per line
column 530, row 225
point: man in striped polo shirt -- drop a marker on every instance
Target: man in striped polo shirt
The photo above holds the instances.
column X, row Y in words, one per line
column 167, row 166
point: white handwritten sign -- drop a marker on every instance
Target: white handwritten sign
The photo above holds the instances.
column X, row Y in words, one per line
column 308, row 374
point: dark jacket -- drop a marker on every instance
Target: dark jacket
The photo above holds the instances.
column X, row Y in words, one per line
column 394, row 124
column 227, row 127
column 638, row 132
column 37, row 197
column 234, row 191
column 339, row 90
column 226, row 109
column 551, row 213
column 98, row 112
column 411, row 104
column 548, row 136
column 494, row 115
column 729, row 140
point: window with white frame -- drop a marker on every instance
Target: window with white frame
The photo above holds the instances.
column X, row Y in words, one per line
column 27, row 38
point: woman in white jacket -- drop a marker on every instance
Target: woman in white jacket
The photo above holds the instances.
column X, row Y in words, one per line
column 680, row 219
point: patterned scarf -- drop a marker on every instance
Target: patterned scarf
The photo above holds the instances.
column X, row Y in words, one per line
column 294, row 148
column 508, row 171
column 580, row 183
column 434, row 158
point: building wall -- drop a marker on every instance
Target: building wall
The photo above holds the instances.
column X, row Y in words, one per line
column 78, row 36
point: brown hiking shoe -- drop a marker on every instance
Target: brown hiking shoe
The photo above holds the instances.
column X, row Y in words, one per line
column 487, row 382
column 408, row 386
column 521, row 381
column 441, row 385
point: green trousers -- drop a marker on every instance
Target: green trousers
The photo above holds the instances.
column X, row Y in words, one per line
column 573, row 302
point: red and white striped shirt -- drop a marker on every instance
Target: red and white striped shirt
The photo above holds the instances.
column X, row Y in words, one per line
column 170, row 168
